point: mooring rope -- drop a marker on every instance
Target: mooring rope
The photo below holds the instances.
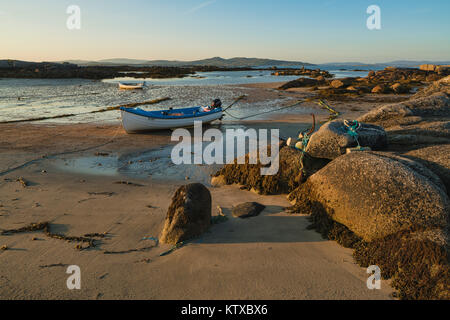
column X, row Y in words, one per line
column 352, row 128
column 264, row 112
column 26, row 164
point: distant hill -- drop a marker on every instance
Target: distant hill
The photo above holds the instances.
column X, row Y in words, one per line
column 238, row 62
column 8, row 63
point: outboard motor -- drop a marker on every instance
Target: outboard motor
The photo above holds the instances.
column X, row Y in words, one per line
column 216, row 104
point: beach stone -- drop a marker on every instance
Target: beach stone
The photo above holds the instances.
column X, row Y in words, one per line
column 399, row 88
column 337, row 84
column 376, row 194
column 332, row 139
column 247, row 210
column 189, row 214
column 371, row 74
column 379, row 89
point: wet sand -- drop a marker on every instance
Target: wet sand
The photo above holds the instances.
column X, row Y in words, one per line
column 271, row 256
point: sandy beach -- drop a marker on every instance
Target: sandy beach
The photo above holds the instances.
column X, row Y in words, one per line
column 272, row 256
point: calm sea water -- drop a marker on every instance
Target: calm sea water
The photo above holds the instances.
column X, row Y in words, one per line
column 32, row 98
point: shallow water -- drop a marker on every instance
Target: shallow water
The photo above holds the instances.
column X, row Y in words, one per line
column 157, row 163
column 33, row 98
column 230, row 77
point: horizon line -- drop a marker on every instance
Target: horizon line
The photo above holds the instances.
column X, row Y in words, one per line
column 237, row 57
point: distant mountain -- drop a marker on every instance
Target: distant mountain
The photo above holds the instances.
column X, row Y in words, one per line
column 238, row 62
column 122, row 61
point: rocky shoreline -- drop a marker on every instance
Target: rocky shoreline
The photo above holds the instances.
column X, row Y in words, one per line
column 391, row 80
column 50, row 70
column 391, row 205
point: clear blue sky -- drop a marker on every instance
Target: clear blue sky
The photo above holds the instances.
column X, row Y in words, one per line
column 312, row 31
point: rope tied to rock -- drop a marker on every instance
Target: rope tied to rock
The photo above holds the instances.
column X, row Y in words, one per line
column 303, row 142
column 352, row 129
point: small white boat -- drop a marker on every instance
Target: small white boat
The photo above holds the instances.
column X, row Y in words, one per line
column 131, row 86
column 138, row 120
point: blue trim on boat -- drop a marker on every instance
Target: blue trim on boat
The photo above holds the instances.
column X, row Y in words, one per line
column 188, row 113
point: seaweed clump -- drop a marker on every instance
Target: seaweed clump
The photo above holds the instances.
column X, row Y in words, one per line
column 294, row 168
column 46, row 228
column 419, row 267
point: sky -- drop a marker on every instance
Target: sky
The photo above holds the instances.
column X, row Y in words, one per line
column 317, row 31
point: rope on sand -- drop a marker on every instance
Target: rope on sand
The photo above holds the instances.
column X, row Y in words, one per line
column 129, row 105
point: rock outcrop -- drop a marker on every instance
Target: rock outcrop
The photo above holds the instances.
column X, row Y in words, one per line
column 189, row 215
column 442, row 85
column 437, row 104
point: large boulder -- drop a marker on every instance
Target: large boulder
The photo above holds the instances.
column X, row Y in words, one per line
column 333, row 138
column 378, row 194
column 189, row 215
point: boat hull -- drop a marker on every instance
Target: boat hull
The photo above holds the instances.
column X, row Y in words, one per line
column 124, row 86
column 134, row 123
